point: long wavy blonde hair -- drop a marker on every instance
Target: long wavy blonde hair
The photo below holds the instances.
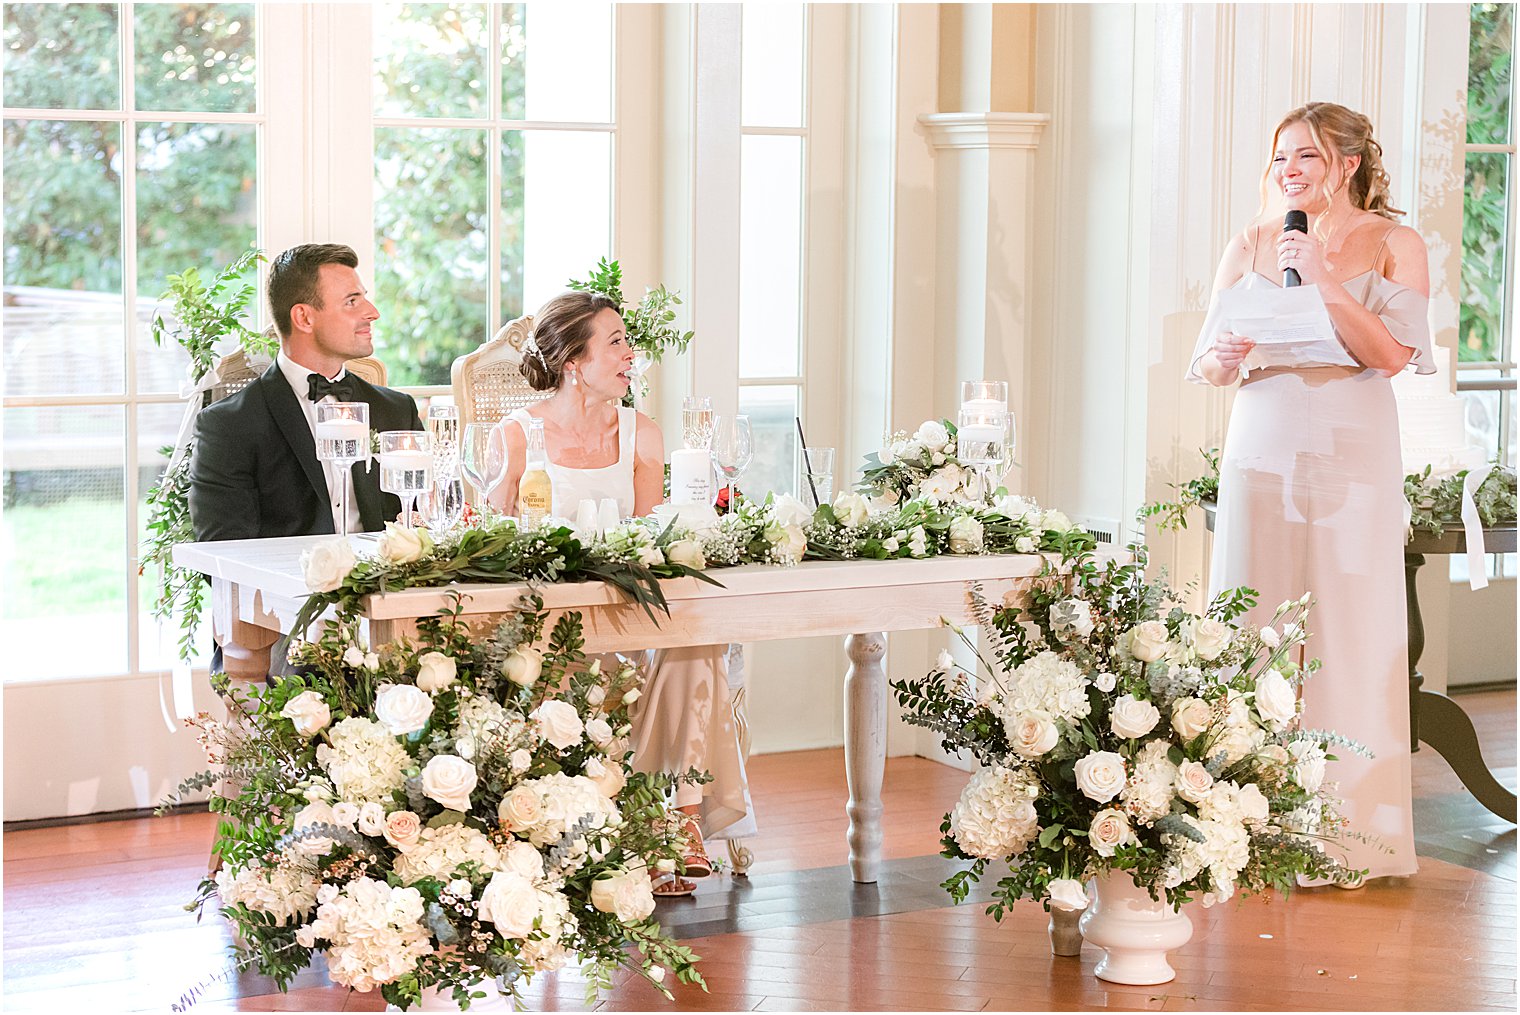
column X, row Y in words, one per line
column 1339, row 133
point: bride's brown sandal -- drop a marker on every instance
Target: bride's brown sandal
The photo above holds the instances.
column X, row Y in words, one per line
column 668, row 886
column 695, row 862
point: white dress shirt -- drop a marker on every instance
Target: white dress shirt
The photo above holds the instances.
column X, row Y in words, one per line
column 297, row 376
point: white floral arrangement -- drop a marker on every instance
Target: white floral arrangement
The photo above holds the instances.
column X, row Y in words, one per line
column 1120, row 733
column 445, row 815
column 924, row 465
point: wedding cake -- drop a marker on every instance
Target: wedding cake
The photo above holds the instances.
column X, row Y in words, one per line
column 1433, row 421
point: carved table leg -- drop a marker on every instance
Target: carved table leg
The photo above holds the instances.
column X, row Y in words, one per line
column 740, row 856
column 865, row 749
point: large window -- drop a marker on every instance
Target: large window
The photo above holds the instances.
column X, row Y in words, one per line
column 1486, row 349
column 773, row 168
column 132, row 137
column 493, row 169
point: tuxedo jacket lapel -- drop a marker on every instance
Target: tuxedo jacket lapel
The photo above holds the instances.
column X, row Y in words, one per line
column 367, row 495
column 292, row 423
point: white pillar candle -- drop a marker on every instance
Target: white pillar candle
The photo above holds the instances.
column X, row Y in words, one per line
column 340, row 429
column 984, row 406
column 980, row 432
column 691, row 476
column 406, row 460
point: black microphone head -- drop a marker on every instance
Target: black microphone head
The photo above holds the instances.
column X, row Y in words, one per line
column 1296, row 221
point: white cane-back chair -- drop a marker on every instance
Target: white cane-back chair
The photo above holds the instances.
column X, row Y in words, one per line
column 489, row 383
column 367, row 368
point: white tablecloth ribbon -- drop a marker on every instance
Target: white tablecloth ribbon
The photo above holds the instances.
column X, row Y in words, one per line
column 1477, row 567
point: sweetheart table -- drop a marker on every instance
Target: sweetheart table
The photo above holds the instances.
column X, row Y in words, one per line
column 258, row 582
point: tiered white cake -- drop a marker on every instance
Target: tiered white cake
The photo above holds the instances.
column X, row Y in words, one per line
column 1433, row 421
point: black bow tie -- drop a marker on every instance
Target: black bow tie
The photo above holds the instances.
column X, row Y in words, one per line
column 319, row 387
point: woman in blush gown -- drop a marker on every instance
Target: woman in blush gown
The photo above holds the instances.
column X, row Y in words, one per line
column 1311, row 484
column 597, row 448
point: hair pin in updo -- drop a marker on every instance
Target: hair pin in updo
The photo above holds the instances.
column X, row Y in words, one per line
column 531, row 346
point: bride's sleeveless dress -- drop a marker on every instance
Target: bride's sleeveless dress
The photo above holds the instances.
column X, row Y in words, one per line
column 1311, row 499
column 685, row 717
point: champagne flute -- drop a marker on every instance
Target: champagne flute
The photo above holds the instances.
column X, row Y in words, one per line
column 443, row 428
column 696, row 421
column 483, row 459
column 406, row 467
column 980, row 441
column 442, row 504
column 342, row 439
column 732, row 449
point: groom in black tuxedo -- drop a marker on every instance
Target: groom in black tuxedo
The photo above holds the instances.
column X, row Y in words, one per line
column 254, row 471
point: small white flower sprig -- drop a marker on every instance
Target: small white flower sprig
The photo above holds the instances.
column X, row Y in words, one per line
column 1119, row 732
column 445, row 813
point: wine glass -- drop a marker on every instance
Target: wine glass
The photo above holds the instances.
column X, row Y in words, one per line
column 406, row 467
column 483, row 459
column 732, row 448
column 342, row 439
column 696, row 421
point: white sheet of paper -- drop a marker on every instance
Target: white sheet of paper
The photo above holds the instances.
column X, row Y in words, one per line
column 1291, row 327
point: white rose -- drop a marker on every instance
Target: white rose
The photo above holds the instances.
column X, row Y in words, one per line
column 650, row 556
column 933, row 435
column 1147, row 641
column 353, row 656
column 315, row 813
column 402, row 829
column 1308, row 764
column 1032, row 735
column 372, row 818
column 1210, row 638
column 520, row 760
column 510, row 901
column 372, row 660
column 628, row 895
column 1193, row 782
column 1105, row 681
column 687, row 553
column 597, row 694
column 790, row 542
column 788, row 511
column 941, row 484
column 345, row 814
column 1190, row 717
column 325, row 565
column 1275, row 700
column 435, row 671
column 1109, row 830
column 918, row 542
column 1253, row 805
column 851, row 509
column 1100, row 775
column 523, row 666
column 1130, row 717
column 1067, row 894
column 308, row 712
column 965, row 534
column 449, row 780
column 890, row 544
column 609, row 778
column 1071, row 615
column 887, row 455
column 402, row 708
column 1014, row 507
column 520, row 809
column 1270, row 638
column 599, row 732
column 400, row 545
column 558, row 723
column 523, row 859
column 1055, row 521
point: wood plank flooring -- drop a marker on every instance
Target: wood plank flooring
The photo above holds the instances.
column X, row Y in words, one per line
column 94, row 919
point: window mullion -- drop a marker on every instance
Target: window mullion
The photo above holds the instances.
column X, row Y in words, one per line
column 129, row 310
column 494, row 143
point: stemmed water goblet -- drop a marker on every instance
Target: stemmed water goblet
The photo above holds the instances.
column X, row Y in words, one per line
column 732, row 449
column 483, row 459
column 406, row 467
column 342, row 439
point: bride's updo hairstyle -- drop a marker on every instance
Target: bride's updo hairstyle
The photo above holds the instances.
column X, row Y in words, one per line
column 1340, row 133
column 561, row 329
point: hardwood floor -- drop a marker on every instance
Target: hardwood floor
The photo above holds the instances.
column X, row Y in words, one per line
column 94, row 919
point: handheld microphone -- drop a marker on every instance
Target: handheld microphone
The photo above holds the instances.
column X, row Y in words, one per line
column 1295, row 221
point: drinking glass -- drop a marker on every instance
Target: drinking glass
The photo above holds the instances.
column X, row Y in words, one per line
column 442, row 504
column 406, row 467
column 817, row 485
column 696, row 421
column 342, row 439
column 731, row 449
column 980, row 439
column 483, row 459
column 984, row 396
column 642, row 361
column 443, row 428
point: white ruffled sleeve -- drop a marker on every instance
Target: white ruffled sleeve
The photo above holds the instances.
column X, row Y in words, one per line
column 1406, row 315
column 1213, row 324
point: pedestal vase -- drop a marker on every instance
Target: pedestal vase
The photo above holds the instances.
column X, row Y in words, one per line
column 1134, row 931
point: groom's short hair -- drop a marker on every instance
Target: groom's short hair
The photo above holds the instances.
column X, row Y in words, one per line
column 294, row 275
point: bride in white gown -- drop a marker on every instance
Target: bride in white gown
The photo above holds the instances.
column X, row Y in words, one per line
column 1311, row 485
column 598, row 448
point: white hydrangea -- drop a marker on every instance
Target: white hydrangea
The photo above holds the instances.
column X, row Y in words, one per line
column 1148, row 795
column 287, row 891
column 1049, row 685
column 364, row 761
column 486, row 723
column 995, row 816
column 374, row 933
column 439, row 852
column 566, row 800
